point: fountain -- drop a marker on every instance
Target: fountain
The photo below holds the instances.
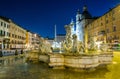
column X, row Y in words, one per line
column 75, row 54
column 42, row 53
column 79, row 55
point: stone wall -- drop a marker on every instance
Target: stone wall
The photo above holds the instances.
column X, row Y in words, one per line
column 81, row 61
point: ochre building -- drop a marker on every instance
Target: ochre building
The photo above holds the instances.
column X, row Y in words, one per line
column 107, row 27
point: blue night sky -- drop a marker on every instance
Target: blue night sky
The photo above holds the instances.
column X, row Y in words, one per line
column 40, row 16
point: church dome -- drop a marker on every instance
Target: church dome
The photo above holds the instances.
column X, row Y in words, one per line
column 86, row 14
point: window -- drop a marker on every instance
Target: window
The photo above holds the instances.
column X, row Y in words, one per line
column 107, row 30
column 8, row 26
column 106, row 21
column 101, row 24
column 13, row 35
column 106, row 16
column 4, row 24
column 114, row 28
column 7, row 33
column 0, row 32
column 1, row 23
column 4, row 33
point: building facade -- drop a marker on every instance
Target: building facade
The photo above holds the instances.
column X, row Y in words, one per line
column 4, row 33
column 29, row 45
column 50, row 40
column 82, row 19
column 107, row 27
column 60, row 38
column 17, row 36
column 35, row 41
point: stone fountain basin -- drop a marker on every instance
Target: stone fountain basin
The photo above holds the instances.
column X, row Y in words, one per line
column 83, row 61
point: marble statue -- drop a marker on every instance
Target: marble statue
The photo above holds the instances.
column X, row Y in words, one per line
column 45, row 46
column 104, row 47
column 67, row 44
column 75, row 44
column 71, row 44
column 92, row 46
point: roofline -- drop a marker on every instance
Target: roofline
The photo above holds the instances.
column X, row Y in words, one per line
column 5, row 19
column 105, row 13
column 110, row 9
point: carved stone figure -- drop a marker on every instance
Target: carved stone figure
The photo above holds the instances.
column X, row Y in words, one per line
column 104, row 47
column 81, row 47
column 75, row 44
column 68, row 40
column 92, row 46
column 71, row 44
column 45, row 46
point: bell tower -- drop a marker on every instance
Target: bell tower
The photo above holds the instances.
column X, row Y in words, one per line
column 78, row 16
column 79, row 29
